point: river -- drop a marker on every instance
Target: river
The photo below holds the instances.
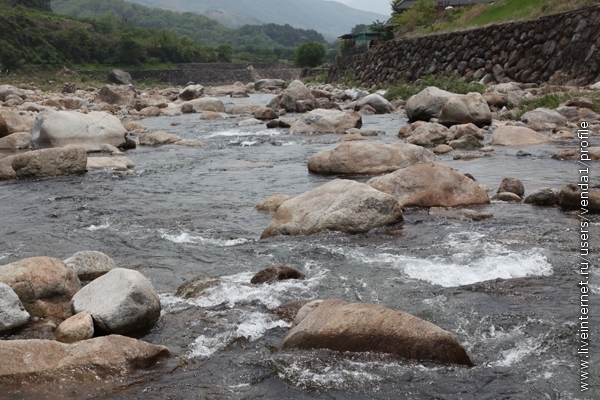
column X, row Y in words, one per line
column 506, row 286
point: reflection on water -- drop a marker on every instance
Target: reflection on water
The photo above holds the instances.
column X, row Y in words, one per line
column 503, row 286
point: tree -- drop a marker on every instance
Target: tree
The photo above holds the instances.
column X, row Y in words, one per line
column 43, row 5
column 421, row 14
column 310, row 54
column 10, row 58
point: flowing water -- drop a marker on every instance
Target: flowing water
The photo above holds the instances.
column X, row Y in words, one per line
column 506, row 287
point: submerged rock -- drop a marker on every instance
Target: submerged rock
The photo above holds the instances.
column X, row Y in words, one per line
column 340, row 205
column 158, row 138
column 44, row 285
column 507, row 196
column 355, row 327
column 430, row 185
column 122, row 301
column 196, row 287
column 49, row 360
column 276, row 273
column 368, row 158
column 121, row 163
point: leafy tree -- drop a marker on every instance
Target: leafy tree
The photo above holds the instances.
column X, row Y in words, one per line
column 384, row 28
column 360, row 28
column 421, row 14
column 10, row 58
column 43, row 5
column 310, row 54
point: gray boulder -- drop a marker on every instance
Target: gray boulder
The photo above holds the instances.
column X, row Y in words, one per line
column 295, row 98
column 545, row 197
column 68, row 160
column 122, row 301
column 158, row 138
column 326, row 121
column 364, row 157
column 379, row 104
column 12, row 312
column 429, row 134
column 61, row 128
column 207, row 104
column 427, row 104
column 120, row 163
column 191, row 92
column 470, row 108
column 89, row 265
column 340, row 205
column 466, row 142
column 119, row 77
column 113, row 94
column 517, row 136
column 269, row 84
column 543, row 116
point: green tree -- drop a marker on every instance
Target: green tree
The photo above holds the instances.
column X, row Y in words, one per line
column 310, row 54
column 10, row 58
column 421, row 14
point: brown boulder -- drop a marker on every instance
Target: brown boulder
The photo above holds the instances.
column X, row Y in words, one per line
column 512, row 185
column 430, row 185
column 15, row 141
column 570, row 198
column 13, row 121
column 429, row 134
column 340, row 326
column 48, row 360
column 44, row 285
column 326, row 121
column 340, row 205
column 68, row 160
column 271, row 204
column 364, row 157
column 517, row 136
column 76, row 328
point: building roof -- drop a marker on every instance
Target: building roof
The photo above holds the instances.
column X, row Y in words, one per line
column 406, row 4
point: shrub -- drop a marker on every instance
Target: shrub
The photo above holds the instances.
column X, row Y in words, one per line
column 452, row 83
column 421, row 14
column 310, row 54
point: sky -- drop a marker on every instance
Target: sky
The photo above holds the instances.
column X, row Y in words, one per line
column 378, row 6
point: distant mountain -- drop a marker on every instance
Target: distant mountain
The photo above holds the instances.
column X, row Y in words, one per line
column 330, row 18
column 377, row 6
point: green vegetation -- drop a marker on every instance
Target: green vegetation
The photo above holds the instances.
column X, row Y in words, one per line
column 269, row 42
column 420, row 20
column 554, row 100
column 310, row 54
column 452, row 83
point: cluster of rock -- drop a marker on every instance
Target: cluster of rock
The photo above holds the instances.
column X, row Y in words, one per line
column 45, row 308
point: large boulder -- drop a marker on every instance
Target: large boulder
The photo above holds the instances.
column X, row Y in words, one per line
column 517, row 136
column 191, row 92
column 61, row 128
column 430, row 185
column 68, row 160
column 543, row 197
column 427, row 104
column 12, row 312
column 243, row 109
column 7, row 90
column 340, row 205
column 15, row 141
column 49, row 360
column 13, row 121
column 119, row 95
column 225, row 90
column 570, row 198
column 89, row 265
column 207, row 104
column 276, row 273
column 379, row 104
column 512, row 185
column 429, row 134
column 326, row 121
column 271, row 204
column 466, row 142
column 158, row 138
column 119, row 77
column 364, row 157
column 295, row 98
column 355, row 327
column 44, row 285
column 541, row 116
column 269, row 84
column 122, row 301
column 470, row 108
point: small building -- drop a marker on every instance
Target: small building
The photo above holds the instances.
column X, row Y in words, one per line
column 354, row 43
column 440, row 4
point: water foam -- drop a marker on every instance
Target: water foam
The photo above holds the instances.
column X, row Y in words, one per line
column 240, row 132
column 252, row 326
column 92, row 228
column 470, row 259
column 186, row 237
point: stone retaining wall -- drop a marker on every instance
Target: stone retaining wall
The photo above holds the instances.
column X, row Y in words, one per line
column 559, row 49
column 212, row 74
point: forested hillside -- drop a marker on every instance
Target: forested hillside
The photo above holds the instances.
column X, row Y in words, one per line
column 32, row 36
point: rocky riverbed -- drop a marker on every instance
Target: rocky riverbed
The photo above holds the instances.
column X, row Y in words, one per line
column 443, row 253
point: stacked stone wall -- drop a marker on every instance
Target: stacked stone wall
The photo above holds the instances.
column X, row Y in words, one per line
column 559, row 49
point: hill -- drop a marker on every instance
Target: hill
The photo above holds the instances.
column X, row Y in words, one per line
column 330, row 18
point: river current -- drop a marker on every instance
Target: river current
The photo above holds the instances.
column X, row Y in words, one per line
column 506, row 286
